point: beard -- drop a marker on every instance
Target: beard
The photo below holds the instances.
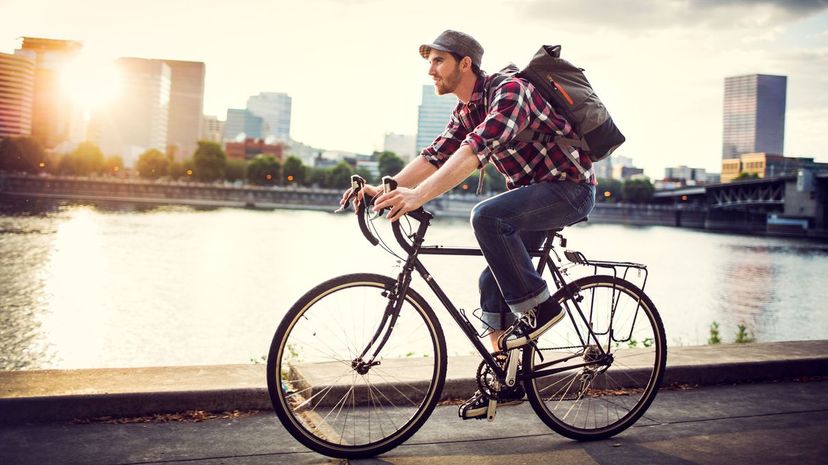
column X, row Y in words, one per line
column 448, row 84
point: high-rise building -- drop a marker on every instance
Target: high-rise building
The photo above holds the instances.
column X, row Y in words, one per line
column 138, row 119
column 55, row 118
column 754, row 115
column 435, row 112
column 185, row 108
column 404, row 145
column 274, row 108
column 242, row 122
column 212, row 129
column 16, row 90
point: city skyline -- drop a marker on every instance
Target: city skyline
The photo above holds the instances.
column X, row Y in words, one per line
column 354, row 75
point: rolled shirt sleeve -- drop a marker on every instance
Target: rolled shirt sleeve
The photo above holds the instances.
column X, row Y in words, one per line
column 446, row 143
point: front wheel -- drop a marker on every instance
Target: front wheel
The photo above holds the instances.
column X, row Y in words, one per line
column 334, row 397
column 597, row 371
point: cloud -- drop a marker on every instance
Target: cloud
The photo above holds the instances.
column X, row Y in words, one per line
column 638, row 15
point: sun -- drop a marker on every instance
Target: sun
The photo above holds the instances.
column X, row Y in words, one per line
column 90, row 83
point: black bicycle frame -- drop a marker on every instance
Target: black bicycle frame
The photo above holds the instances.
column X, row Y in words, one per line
column 413, row 263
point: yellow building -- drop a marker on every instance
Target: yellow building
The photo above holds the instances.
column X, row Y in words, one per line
column 764, row 165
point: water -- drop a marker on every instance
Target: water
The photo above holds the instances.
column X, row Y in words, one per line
column 86, row 287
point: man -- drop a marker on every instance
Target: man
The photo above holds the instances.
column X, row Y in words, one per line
column 549, row 186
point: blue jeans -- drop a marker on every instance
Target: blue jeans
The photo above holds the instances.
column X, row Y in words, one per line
column 508, row 224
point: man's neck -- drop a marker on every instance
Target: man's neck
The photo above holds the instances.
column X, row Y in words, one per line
column 465, row 88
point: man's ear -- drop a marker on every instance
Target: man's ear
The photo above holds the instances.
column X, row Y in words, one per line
column 466, row 63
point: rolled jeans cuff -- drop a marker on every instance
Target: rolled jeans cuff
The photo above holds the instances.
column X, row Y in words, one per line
column 492, row 320
column 525, row 305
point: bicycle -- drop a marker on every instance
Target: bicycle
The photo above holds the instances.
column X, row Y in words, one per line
column 358, row 363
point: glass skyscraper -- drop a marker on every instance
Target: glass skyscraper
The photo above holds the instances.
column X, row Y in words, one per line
column 435, row 112
column 754, row 115
column 274, row 108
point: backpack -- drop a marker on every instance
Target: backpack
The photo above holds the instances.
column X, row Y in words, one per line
column 566, row 88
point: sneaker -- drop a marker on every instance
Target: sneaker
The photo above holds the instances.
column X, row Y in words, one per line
column 532, row 324
column 478, row 405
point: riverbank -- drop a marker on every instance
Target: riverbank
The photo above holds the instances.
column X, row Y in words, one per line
column 54, row 395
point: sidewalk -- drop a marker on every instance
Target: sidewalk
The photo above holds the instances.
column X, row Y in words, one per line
column 54, row 395
column 774, row 423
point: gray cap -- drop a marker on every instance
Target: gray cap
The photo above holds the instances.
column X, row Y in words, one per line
column 455, row 42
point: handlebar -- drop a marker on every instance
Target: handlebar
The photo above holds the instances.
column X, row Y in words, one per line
column 388, row 184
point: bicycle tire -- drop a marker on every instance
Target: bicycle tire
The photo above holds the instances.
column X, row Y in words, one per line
column 598, row 400
column 311, row 363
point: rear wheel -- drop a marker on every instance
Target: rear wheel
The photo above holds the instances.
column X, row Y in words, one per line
column 621, row 367
column 329, row 395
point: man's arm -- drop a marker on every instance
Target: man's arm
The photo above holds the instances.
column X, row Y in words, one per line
column 403, row 200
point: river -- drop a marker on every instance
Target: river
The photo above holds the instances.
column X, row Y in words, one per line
column 90, row 287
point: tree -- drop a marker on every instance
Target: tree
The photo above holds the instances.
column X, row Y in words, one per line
column 294, row 171
column 366, row 174
column 22, row 154
column 609, row 190
column 264, row 170
column 209, row 161
column 318, row 177
column 86, row 159
column 113, row 165
column 745, row 176
column 340, row 176
column 390, row 164
column 638, row 191
column 153, row 164
column 235, row 170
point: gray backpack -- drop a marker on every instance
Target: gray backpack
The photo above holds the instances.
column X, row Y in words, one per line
column 566, row 88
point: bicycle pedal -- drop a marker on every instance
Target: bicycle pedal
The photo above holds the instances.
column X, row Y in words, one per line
column 492, row 410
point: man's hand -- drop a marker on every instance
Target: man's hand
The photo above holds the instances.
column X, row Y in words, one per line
column 346, row 196
column 400, row 201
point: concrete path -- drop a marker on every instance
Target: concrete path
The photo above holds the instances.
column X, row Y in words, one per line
column 49, row 395
column 775, row 423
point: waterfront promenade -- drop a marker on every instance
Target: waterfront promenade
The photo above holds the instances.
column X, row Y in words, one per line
column 700, row 416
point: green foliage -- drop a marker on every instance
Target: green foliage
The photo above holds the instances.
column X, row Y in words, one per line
column 236, row 170
column 264, row 170
column 389, row 164
column 153, row 164
column 86, row 159
column 113, row 165
column 178, row 170
column 638, row 191
column 22, row 154
column 340, row 176
column 209, row 161
column 609, row 190
column 294, row 171
column 366, row 175
column 714, row 338
column 746, row 176
column 318, row 177
column 743, row 336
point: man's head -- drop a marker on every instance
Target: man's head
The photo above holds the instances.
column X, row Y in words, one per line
column 455, row 59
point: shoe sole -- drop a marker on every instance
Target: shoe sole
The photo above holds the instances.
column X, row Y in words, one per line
column 522, row 341
column 481, row 411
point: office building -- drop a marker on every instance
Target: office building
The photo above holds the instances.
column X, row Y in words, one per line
column 242, row 124
column 17, row 75
column 434, row 114
column 251, row 148
column 766, row 165
column 138, row 119
column 185, row 108
column 274, row 108
column 212, row 129
column 754, row 115
column 404, row 145
column 55, row 118
column 686, row 175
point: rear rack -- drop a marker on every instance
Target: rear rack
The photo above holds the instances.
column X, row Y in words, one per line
column 618, row 268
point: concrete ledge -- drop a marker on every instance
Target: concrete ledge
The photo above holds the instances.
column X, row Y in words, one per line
column 56, row 395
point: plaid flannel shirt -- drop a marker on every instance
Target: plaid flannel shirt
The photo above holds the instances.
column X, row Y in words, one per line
column 490, row 130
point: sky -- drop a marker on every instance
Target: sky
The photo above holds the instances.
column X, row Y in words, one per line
column 353, row 71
